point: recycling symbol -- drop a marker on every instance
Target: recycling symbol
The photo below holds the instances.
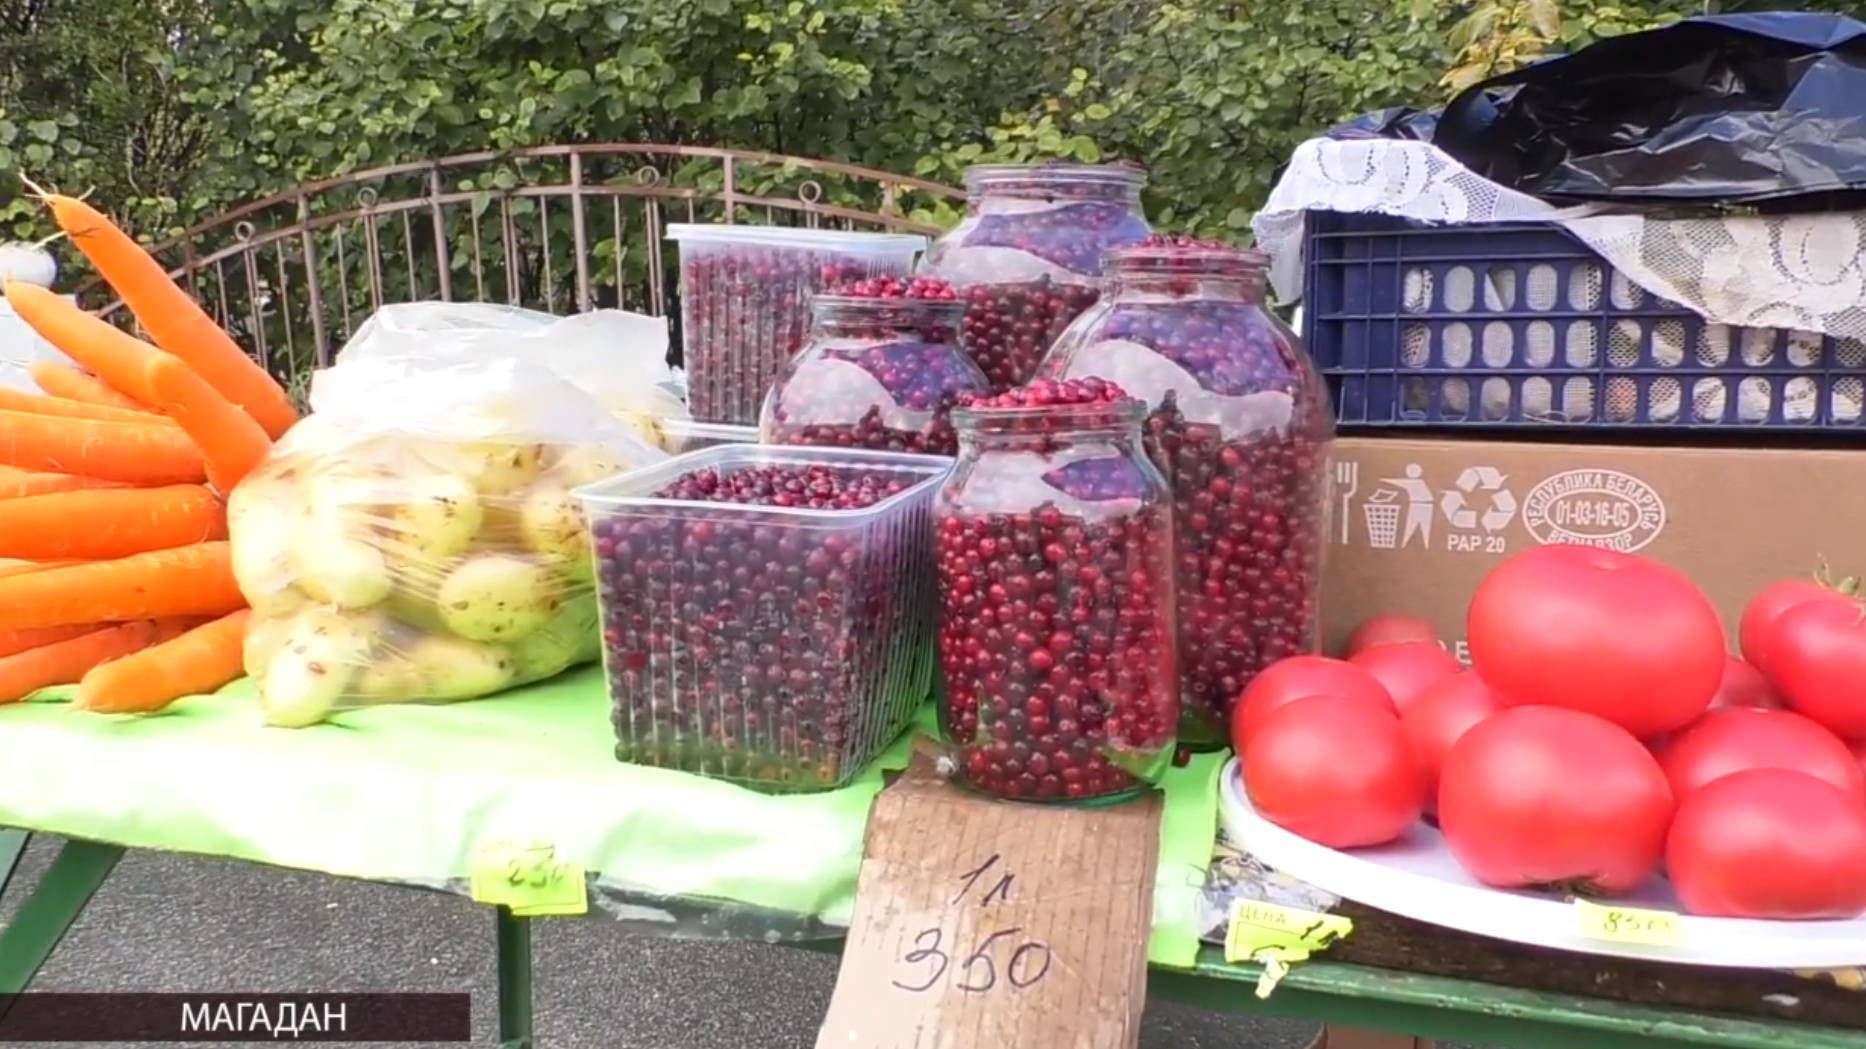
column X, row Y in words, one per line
column 1476, row 479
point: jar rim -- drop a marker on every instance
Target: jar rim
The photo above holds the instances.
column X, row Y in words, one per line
column 1122, row 175
column 1124, row 412
column 825, row 303
column 1155, row 258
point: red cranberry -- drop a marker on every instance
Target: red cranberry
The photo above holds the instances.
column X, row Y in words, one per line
column 1028, row 256
column 881, row 371
column 745, row 309
column 745, row 646
column 1239, row 426
column 1053, row 540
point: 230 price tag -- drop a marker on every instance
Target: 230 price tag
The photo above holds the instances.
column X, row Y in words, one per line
column 1628, row 924
column 529, row 880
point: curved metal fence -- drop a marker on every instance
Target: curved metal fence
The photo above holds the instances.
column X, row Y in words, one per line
column 557, row 228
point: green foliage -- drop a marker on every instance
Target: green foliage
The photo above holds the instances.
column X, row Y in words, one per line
column 174, row 110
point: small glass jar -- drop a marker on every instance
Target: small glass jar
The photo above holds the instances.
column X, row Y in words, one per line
column 1053, row 538
column 1240, row 424
column 879, row 373
column 1027, row 257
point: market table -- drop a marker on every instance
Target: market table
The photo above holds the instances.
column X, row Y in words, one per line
column 408, row 794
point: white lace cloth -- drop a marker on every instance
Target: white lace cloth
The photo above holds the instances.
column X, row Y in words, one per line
column 1799, row 272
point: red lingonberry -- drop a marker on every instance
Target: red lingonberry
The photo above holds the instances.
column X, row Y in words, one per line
column 1053, row 541
column 1242, row 440
column 881, row 371
column 745, row 647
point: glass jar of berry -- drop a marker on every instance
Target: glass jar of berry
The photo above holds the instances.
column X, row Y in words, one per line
column 1027, row 257
column 1239, row 422
column 881, row 370
column 1053, row 539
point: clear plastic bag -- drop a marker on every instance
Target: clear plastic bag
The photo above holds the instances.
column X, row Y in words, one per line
column 617, row 357
column 415, row 538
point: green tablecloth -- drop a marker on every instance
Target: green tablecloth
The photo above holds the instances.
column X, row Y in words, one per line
column 409, row 793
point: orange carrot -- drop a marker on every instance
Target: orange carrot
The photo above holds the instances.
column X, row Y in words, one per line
column 62, row 380
column 188, row 581
column 15, row 482
column 140, row 453
column 99, row 526
column 66, row 662
column 112, row 354
column 13, row 567
column 174, row 321
column 13, row 642
column 19, row 401
column 201, row 660
column 230, row 441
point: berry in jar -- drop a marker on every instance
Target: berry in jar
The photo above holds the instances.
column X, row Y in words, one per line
column 1053, row 540
column 881, row 370
column 745, row 302
column 1027, row 257
column 1239, row 423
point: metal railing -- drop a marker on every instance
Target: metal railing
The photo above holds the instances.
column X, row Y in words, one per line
column 558, row 228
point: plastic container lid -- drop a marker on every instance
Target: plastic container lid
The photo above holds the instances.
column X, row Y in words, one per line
column 845, row 241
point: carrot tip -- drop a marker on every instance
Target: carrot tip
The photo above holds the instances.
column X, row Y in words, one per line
column 39, row 191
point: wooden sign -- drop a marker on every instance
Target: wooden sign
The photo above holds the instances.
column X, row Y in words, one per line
column 989, row 923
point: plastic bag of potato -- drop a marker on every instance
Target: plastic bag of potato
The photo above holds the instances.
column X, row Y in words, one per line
column 617, row 357
column 415, row 538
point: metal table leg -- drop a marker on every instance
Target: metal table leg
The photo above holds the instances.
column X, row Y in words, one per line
column 12, row 847
column 514, row 981
column 55, row 903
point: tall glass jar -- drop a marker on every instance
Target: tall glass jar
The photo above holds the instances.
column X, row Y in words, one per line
column 1053, row 539
column 877, row 372
column 1027, row 257
column 1240, row 423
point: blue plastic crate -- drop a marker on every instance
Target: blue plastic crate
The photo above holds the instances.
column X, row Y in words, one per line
column 1522, row 325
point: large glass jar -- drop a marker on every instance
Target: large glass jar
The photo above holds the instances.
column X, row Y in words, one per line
column 881, row 370
column 1027, row 257
column 1240, row 424
column 1053, row 539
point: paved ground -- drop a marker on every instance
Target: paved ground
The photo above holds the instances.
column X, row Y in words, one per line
column 168, row 923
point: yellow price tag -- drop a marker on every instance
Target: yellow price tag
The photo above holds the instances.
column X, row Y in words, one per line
column 1258, row 927
column 1627, row 924
column 529, row 880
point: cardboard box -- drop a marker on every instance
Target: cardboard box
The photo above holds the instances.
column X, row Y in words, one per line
column 1416, row 523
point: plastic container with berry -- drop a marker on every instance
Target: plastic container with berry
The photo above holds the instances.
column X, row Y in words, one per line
column 767, row 611
column 745, row 302
column 1240, row 424
column 881, row 370
column 1027, row 256
column 1053, row 539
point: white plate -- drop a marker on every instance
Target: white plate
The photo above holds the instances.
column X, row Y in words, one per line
column 1416, row 877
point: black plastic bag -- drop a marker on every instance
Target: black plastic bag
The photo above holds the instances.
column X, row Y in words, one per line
column 1729, row 109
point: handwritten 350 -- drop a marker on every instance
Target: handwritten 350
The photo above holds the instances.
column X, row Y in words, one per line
column 1028, row 962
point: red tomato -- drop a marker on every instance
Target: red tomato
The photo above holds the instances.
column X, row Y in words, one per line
column 1546, row 795
column 1859, row 754
column 1817, row 659
column 1445, row 710
column 1605, row 633
column 1407, row 668
column 1335, row 770
column 1723, row 742
column 1769, row 843
column 1744, row 686
column 1295, row 678
column 1766, row 607
column 1388, row 630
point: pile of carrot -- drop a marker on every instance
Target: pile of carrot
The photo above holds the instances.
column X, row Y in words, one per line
column 115, row 572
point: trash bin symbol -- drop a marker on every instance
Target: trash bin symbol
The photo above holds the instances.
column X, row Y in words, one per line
column 1382, row 510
